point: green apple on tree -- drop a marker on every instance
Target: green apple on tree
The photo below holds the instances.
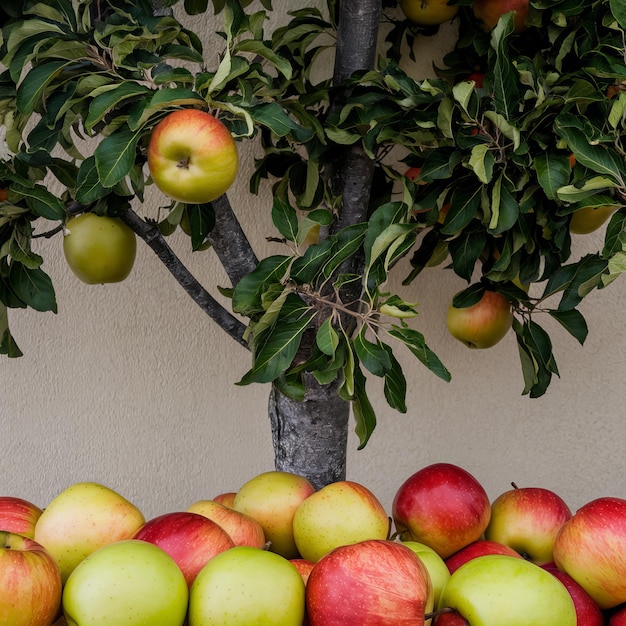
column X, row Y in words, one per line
column 271, row 498
column 338, row 514
column 428, row 12
column 588, row 219
column 192, row 156
column 247, row 586
column 436, row 566
column 483, row 324
column 30, row 582
column 500, row 590
column 129, row 582
column 99, row 249
column 83, row 518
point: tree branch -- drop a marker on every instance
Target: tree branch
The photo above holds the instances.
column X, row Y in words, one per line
column 151, row 235
column 230, row 242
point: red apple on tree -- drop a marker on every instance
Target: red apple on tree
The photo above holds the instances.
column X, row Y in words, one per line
column 528, row 519
column 30, row 582
column 192, row 156
column 489, row 12
column 377, row 582
column 588, row 613
column 477, row 548
column 19, row 516
column 483, row 324
column 443, row 506
column 191, row 539
column 591, row 548
column 428, row 12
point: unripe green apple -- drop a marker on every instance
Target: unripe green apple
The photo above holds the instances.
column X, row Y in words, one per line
column 247, row 586
column 128, row 582
column 590, row 218
column 192, row 156
column 436, row 566
column 506, row 591
column 338, row 514
column 271, row 498
column 483, row 324
column 99, row 249
column 83, row 518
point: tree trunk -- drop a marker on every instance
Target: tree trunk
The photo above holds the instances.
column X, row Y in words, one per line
column 310, row 437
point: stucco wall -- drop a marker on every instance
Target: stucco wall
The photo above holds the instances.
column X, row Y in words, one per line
column 131, row 385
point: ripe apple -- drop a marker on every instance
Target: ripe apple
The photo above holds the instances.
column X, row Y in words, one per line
column 338, row 514
column 588, row 613
column 19, row 516
column 507, row 591
column 271, row 498
column 99, row 249
column 489, row 12
column 242, row 529
column 591, row 548
column 443, row 506
column 428, row 12
column 376, row 581
column 483, row 324
column 30, row 582
column 481, row 547
column 128, row 582
column 590, row 218
column 617, row 617
column 528, row 519
column 436, row 566
column 192, row 156
column 304, row 567
column 83, row 518
column 227, row 498
column 192, row 540
column 245, row 586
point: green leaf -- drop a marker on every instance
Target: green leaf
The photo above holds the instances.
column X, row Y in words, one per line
column 395, row 384
column 481, row 162
column 259, row 48
column 465, row 250
column 31, row 90
column 553, row 172
column 33, row 287
column 464, row 206
column 415, row 342
column 362, row 409
column 115, row 156
column 7, row 343
column 196, row 7
column 618, row 8
column 105, row 102
column 41, row 201
column 88, row 186
column 285, row 219
column 538, row 347
column 372, row 354
column 327, row 338
column 274, row 117
column 247, row 296
column 573, row 322
column 503, row 76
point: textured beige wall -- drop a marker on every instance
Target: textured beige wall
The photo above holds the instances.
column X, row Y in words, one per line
column 132, row 386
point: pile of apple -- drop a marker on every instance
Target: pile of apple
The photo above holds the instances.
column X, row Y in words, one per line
column 280, row 553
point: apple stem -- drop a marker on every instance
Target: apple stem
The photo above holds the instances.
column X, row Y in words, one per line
column 514, row 485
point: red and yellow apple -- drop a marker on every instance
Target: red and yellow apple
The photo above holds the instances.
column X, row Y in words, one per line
column 99, row 249
column 528, row 519
column 30, row 582
column 83, row 518
column 483, row 324
column 19, row 516
column 192, row 540
column 242, row 529
column 428, row 12
column 338, row 514
column 489, row 12
column 377, row 582
column 271, row 498
column 192, row 156
column 591, row 548
column 480, row 547
column 443, row 506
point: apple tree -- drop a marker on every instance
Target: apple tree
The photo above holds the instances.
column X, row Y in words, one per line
column 519, row 134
